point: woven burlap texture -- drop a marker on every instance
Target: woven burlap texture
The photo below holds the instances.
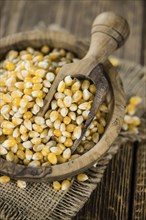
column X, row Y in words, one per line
column 40, row 202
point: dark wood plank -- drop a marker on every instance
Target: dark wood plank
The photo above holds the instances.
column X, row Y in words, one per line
column 139, row 206
column 75, row 16
column 111, row 198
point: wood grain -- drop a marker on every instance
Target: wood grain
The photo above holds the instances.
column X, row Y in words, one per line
column 111, row 198
column 139, row 202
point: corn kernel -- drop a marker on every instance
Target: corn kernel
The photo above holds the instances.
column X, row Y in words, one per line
column 4, row 179
column 45, row 151
column 21, row 184
column 54, row 115
column 10, row 156
column 82, row 177
column 61, row 87
column 77, row 96
column 20, row 154
column 135, row 100
column 67, row 120
column 77, row 132
column 68, row 142
column 28, row 154
column 56, row 185
column 70, row 127
column 67, row 101
column 9, row 66
column 65, row 185
column 67, row 153
column 85, row 84
column 52, row 158
column 76, row 86
column 3, row 151
column 92, row 88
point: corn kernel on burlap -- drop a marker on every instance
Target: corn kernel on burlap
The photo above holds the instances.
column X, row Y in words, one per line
column 40, row 202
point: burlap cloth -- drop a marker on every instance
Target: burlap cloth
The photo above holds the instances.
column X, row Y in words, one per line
column 40, row 202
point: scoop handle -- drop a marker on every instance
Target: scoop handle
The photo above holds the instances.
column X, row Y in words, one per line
column 109, row 32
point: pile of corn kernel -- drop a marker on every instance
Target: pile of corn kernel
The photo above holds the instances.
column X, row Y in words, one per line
column 131, row 121
column 28, row 139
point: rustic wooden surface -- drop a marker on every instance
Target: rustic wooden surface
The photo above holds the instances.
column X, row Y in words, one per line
column 122, row 193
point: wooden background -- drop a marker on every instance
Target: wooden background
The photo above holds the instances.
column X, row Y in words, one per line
column 122, row 192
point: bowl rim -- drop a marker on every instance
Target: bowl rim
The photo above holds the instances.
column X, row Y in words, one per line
column 72, row 167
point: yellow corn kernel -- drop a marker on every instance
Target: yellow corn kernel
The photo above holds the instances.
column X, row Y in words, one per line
column 135, row 100
column 27, row 115
column 45, row 49
column 36, row 79
column 60, row 103
column 68, row 81
column 56, row 150
column 37, row 93
column 114, row 61
column 37, row 128
column 37, row 156
column 19, row 85
column 77, row 132
column 85, row 106
column 67, row 153
column 45, row 151
column 12, row 54
column 34, row 163
column 68, row 142
column 27, row 91
column 3, row 150
column 7, row 131
column 7, row 98
column 16, row 121
column 67, row 120
column 67, row 101
column 56, row 185
column 36, row 141
column 70, row 127
column 30, row 104
column 85, row 84
column 16, row 133
column 52, row 158
column 68, row 92
column 77, row 96
column 21, row 184
column 92, row 88
column 82, row 177
column 95, row 137
column 10, row 156
column 23, row 129
column 57, row 70
column 61, row 146
column 37, row 86
column 57, row 133
column 136, row 121
column 61, row 87
column 61, row 159
column 54, row 115
column 9, row 66
column 4, row 179
column 76, row 86
column 131, row 109
column 5, row 109
column 16, row 101
column 7, row 124
column 40, row 73
column 65, row 185
column 26, row 57
column 100, row 128
column 28, row 154
column 20, row 154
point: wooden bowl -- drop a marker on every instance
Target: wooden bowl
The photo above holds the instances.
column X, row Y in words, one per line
column 115, row 117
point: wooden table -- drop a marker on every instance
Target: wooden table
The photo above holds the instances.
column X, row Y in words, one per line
column 122, row 191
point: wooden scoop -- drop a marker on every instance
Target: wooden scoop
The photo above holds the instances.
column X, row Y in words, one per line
column 109, row 32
